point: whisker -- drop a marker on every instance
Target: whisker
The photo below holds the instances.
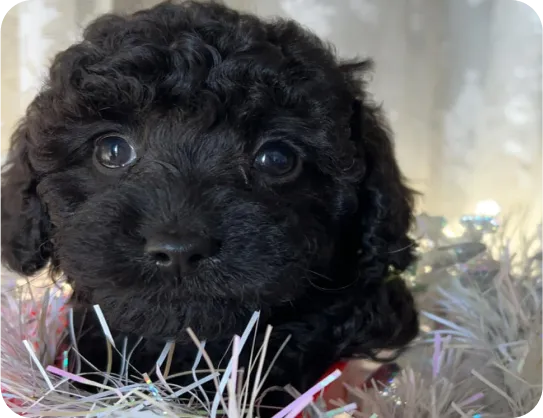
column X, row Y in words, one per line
column 319, row 275
column 330, row 289
column 402, row 249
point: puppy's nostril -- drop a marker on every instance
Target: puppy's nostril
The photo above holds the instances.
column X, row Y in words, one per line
column 162, row 259
column 195, row 258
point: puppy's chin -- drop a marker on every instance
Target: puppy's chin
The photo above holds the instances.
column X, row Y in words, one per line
column 214, row 305
column 157, row 317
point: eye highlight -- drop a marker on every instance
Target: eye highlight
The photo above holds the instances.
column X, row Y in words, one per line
column 276, row 159
column 113, row 151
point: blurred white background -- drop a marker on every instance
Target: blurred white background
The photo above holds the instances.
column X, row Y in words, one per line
column 459, row 79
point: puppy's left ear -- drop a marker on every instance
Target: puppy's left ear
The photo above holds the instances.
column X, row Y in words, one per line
column 383, row 315
column 25, row 225
column 385, row 202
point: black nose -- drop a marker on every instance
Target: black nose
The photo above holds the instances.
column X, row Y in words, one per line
column 181, row 253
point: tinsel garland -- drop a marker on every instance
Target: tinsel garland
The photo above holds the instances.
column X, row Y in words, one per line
column 479, row 354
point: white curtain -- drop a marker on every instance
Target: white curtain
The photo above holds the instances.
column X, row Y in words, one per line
column 459, row 79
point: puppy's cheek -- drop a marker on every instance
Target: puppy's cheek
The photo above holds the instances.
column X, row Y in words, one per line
column 260, row 238
column 63, row 193
column 256, row 252
column 93, row 249
column 92, row 262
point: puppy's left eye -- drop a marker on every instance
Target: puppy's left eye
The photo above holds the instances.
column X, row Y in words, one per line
column 276, row 159
column 113, row 151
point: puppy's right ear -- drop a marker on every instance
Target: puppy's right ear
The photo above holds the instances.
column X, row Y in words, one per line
column 25, row 225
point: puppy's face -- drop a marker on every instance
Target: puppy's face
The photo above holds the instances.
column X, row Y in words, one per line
column 187, row 166
column 170, row 214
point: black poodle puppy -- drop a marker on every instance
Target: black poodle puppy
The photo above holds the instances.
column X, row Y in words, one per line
column 188, row 165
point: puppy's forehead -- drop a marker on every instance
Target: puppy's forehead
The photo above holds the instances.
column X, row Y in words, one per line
column 201, row 58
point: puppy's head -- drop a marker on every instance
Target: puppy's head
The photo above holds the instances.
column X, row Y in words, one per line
column 188, row 165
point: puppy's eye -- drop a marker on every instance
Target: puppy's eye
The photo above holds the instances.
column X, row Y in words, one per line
column 113, row 151
column 276, row 159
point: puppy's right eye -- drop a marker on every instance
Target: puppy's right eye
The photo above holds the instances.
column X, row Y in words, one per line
column 276, row 159
column 114, row 151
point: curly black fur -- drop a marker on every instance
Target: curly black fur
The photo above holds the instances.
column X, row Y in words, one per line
column 197, row 87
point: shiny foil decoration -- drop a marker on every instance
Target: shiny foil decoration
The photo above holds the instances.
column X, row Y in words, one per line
column 385, row 380
column 478, row 225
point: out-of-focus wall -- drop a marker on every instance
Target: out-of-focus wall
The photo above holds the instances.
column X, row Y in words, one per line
column 459, row 79
column 9, row 104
